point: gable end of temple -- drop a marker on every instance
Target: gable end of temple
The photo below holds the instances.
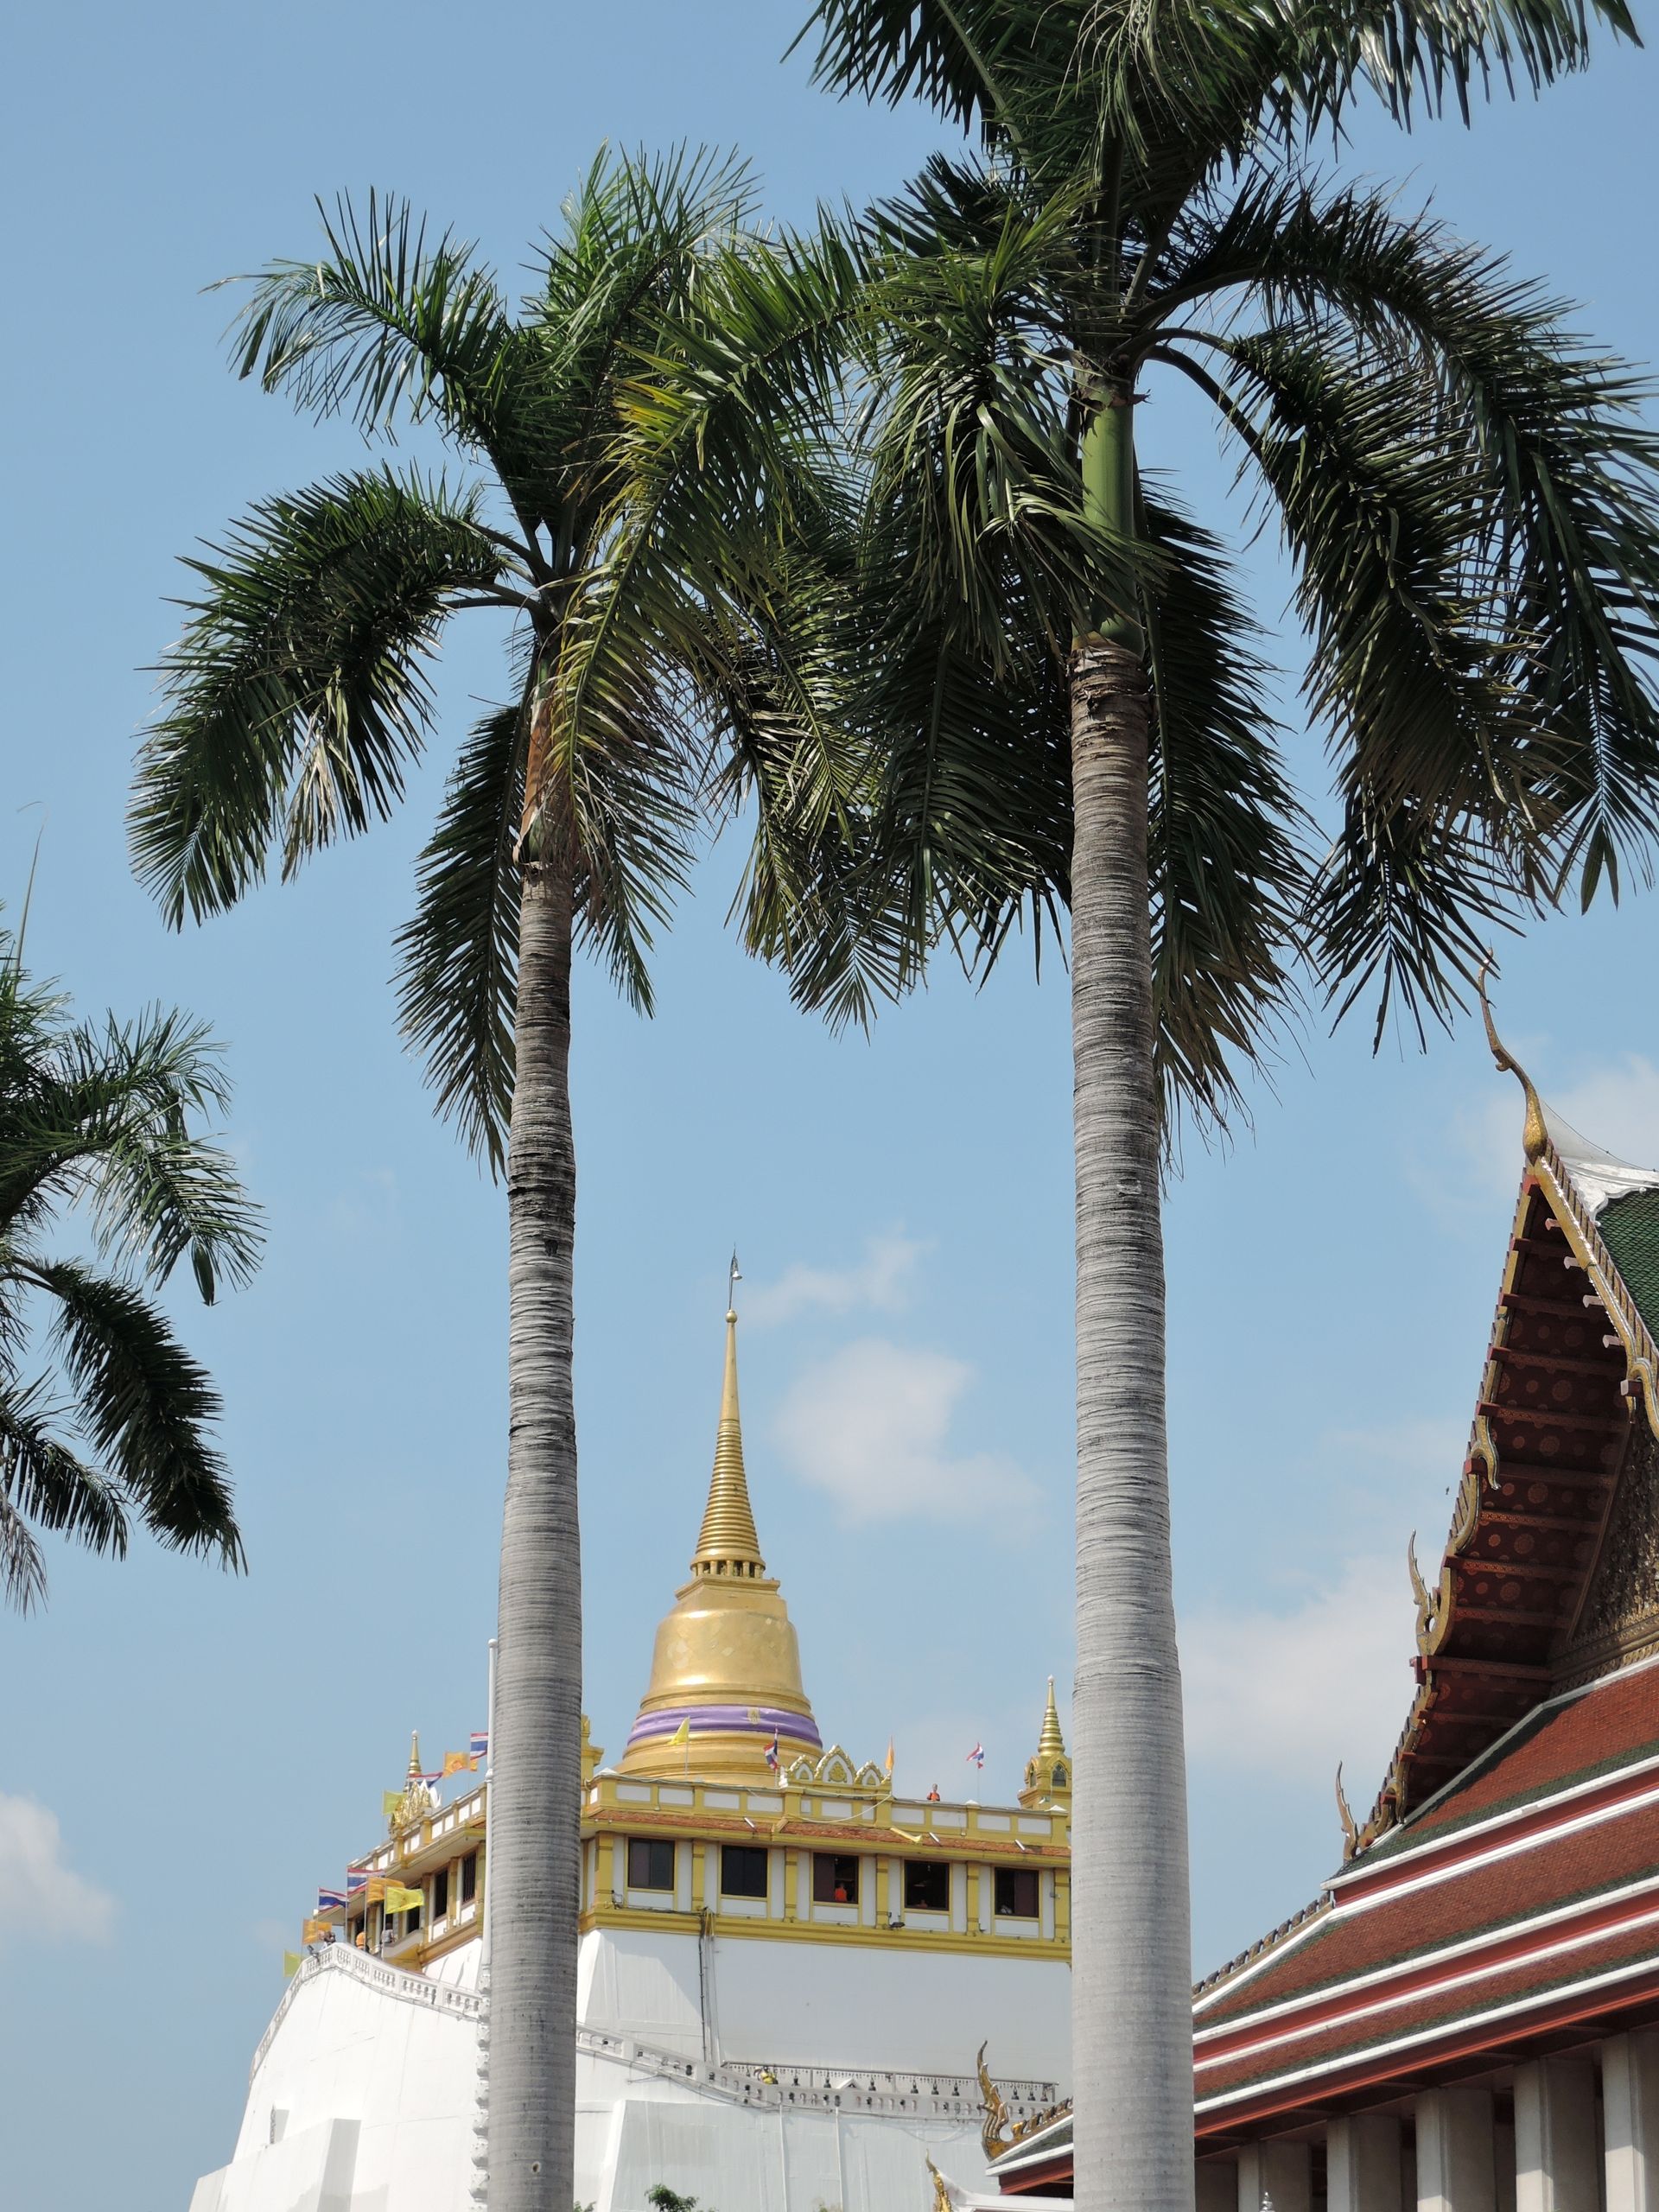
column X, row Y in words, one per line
column 1550, row 1574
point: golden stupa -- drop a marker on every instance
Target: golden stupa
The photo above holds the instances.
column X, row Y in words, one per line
column 725, row 1700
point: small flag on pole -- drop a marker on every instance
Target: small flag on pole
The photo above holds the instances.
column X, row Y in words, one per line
column 331, row 1900
column 314, row 1931
column 683, row 1733
column 480, row 1744
column 290, row 1965
column 356, row 1878
column 887, row 1763
column 400, row 1899
column 976, row 1757
column 457, row 1763
column 376, row 1889
column 390, row 1800
column 772, row 1752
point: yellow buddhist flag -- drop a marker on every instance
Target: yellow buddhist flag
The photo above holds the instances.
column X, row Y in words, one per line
column 399, row 1899
column 376, row 1891
column 458, row 1763
column 314, row 1931
column 683, row 1733
column 887, row 1763
column 290, row 1965
column 390, row 1800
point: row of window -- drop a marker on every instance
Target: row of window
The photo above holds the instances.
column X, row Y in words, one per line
column 743, row 1873
column 448, row 1889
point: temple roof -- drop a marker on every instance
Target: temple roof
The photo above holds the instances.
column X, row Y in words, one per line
column 1531, row 1888
column 1525, row 1598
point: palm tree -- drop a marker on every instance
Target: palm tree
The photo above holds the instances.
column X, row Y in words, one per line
column 100, row 1117
column 1069, row 694
column 665, row 662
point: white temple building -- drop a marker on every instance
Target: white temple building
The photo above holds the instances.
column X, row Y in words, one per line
column 786, row 1971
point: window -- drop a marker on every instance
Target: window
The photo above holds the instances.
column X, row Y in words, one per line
column 1016, row 1893
column 411, row 1920
column 834, row 1879
column 469, row 1877
column 440, row 1893
column 742, row 1870
column 927, row 1885
column 650, row 1864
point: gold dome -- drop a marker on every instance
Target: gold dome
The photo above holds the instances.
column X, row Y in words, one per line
column 726, row 1673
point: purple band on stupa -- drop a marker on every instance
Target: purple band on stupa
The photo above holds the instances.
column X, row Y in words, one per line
column 727, row 1720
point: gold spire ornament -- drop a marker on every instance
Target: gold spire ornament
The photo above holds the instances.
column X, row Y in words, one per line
column 727, row 1667
column 727, row 1542
column 1048, row 1776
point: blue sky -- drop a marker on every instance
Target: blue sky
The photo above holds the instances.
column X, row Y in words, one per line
column 183, row 1758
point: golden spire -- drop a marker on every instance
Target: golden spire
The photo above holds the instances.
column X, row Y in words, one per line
column 1048, row 1774
column 725, row 1668
column 1050, row 1744
column 414, row 1755
column 727, row 1542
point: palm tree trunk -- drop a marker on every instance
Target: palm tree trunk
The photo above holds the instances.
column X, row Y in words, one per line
column 536, row 1754
column 1132, row 2032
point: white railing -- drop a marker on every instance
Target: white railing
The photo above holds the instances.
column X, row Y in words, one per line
column 827, row 2088
column 391, row 1981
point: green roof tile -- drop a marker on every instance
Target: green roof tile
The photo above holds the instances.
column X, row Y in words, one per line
column 1630, row 1228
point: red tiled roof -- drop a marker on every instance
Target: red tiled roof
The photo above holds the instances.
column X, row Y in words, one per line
column 1472, row 1901
column 1610, row 1723
column 1331, row 2047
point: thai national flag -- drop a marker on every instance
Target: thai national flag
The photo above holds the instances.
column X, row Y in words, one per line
column 331, row 1900
column 357, row 1878
column 479, row 1746
column 976, row 1757
column 772, row 1752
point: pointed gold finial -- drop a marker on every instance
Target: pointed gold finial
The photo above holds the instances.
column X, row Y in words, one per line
column 1048, row 1774
column 1535, row 1135
column 1050, row 1744
column 727, row 1542
column 414, row 1754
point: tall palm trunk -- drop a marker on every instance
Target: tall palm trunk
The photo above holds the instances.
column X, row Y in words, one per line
column 1132, row 2055
column 536, row 1751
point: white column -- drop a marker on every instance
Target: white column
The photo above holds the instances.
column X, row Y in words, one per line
column 1503, row 2153
column 1217, row 2184
column 1556, row 2149
column 1456, row 2170
column 1362, row 2164
column 1281, row 2171
column 1629, row 2105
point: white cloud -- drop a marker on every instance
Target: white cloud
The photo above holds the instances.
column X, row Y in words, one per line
column 880, row 1279
column 39, row 1895
column 1616, row 1108
column 872, row 1424
column 1292, row 1692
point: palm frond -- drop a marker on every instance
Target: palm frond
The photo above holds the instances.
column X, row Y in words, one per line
column 298, row 695
column 458, row 957
column 1226, row 836
column 383, row 323
column 147, row 1407
column 46, row 1482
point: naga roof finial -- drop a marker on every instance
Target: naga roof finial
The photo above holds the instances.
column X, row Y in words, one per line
column 1344, row 1813
column 1535, row 1134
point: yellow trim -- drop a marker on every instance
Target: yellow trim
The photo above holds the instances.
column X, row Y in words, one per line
column 929, row 1941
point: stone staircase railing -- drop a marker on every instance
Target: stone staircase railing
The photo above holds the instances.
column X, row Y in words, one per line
column 935, row 2096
